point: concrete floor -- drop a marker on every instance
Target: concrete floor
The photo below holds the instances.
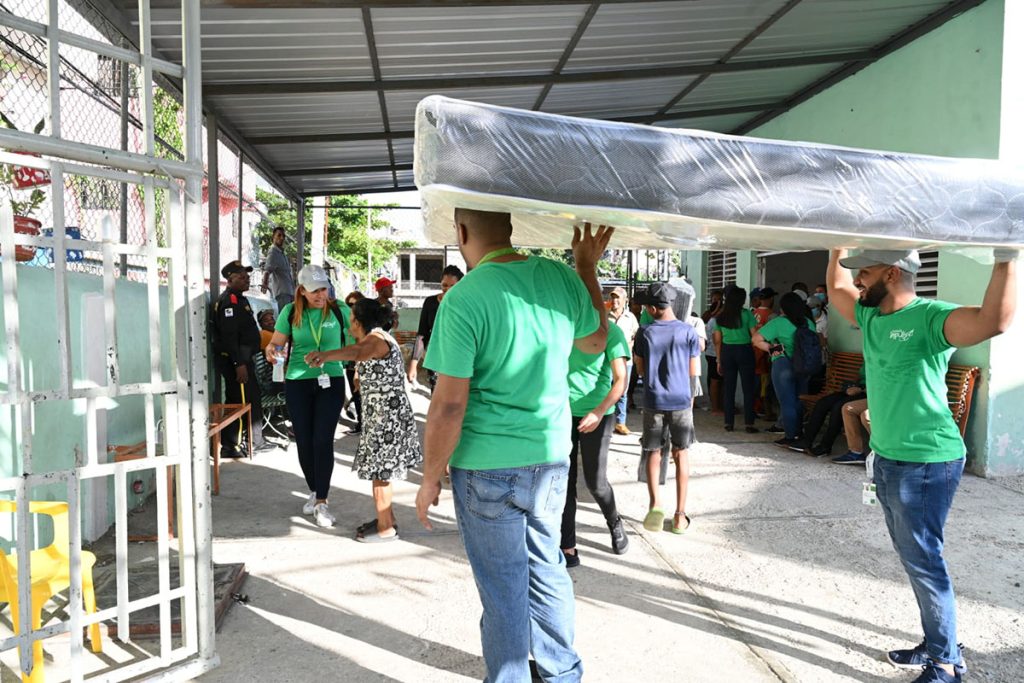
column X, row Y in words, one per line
column 784, row 575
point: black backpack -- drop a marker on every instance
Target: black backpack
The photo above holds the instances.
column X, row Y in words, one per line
column 806, row 352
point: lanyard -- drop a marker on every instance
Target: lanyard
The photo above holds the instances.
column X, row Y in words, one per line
column 495, row 254
column 318, row 333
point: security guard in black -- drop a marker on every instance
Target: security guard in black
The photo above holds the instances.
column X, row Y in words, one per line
column 236, row 337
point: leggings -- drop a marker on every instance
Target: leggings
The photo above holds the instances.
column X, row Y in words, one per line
column 738, row 359
column 592, row 449
column 315, row 412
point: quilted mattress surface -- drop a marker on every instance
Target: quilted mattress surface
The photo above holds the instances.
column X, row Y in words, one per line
column 680, row 189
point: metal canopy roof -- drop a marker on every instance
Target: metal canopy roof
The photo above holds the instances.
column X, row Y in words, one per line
column 321, row 93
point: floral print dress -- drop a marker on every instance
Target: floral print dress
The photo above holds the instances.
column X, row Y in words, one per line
column 389, row 444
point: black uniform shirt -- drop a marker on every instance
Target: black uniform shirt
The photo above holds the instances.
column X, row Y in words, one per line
column 236, row 337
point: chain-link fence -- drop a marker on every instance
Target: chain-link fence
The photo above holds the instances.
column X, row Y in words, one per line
column 101, row 104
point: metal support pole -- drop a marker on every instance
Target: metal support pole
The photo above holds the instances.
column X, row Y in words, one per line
column 191, row 50
column 630, row 279
column 213, row 200
column 124, row 146
column 369, row 254
column 241, row 159
column 300, row 238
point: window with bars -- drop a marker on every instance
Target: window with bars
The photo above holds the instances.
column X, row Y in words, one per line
column 721, row 271
column 927, row 282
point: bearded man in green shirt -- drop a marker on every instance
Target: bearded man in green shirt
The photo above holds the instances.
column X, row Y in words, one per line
column 919, row 454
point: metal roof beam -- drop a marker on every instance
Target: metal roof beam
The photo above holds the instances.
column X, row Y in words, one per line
column 339, row 170
column 408, row 134
column 371, row 43
column 747, row 40
column 375, row 190
column 512, row 81
column 588, row 16
column 912, row 33
column 378, row 4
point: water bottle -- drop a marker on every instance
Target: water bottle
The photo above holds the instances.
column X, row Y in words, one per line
column 278, row 363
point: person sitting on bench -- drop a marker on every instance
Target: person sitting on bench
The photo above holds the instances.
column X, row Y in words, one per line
column 830, row 407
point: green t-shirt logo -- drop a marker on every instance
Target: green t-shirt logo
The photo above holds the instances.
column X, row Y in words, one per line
column 901, row 335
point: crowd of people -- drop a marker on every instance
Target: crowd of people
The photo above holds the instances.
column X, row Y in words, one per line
column 532, row 371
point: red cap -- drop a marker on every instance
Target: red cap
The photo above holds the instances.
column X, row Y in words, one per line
column 383, row 282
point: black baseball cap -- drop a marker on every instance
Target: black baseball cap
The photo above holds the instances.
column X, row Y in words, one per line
column 658, row 294
column 234, row 267
column 767, row 293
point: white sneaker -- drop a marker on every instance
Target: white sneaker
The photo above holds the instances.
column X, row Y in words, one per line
column 322, row 516
column 307, row 507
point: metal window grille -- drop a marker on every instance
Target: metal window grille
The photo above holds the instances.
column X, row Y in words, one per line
column 721, row 271
column 52, row 72
column 927, row 282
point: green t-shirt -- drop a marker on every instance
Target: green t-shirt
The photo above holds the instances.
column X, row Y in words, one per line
column 330, row 330
column 741, row 334
column 645, row 319
column 509, row 327
column 906, row 357
column 781, row 331
column 590, row 375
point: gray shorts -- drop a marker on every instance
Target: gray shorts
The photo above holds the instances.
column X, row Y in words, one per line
column 676, row 423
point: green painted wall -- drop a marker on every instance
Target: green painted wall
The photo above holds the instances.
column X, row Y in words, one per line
column 939, row 95
column 59, row 426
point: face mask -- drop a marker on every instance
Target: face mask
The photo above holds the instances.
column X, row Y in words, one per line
column 820, row 296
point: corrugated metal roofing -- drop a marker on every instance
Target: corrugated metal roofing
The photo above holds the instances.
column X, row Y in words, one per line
column 330, row 89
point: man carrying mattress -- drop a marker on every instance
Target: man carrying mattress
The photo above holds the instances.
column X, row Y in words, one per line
column 919, row 454
column 500, row 414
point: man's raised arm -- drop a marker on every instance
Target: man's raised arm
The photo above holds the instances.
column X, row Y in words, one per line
column 842, row 293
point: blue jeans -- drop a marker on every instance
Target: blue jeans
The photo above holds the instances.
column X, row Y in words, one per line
column 620, row 406
column 788, row 387
column 915, row 498
column 510, row 522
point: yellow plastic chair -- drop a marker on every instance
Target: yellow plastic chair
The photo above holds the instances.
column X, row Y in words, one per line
column 51, row 574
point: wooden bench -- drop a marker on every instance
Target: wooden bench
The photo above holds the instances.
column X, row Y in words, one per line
column 844, row 367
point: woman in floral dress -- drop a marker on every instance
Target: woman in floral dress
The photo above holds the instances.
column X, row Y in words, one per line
column 389, row 444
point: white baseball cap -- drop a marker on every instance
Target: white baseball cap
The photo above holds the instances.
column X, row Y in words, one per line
column 313, row 277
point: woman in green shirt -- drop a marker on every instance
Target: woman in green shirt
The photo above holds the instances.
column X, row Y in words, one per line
column 313, row 322
column 732, row 336
column 778, row 338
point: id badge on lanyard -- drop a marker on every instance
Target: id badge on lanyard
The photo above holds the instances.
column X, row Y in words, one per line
column 324, row 380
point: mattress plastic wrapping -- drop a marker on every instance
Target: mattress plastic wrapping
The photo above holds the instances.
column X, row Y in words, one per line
column 689, row 189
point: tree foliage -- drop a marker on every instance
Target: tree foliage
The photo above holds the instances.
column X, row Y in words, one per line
column 348, row 239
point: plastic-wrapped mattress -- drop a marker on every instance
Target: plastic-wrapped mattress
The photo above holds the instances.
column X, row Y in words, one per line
column 683, row 189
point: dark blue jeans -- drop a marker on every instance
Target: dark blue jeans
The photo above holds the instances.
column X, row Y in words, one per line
column 916, row 498
column 738, row 360
column 788, row 387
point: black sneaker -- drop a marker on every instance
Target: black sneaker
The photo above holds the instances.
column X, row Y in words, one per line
column 728, row 428
column 851, row 458
column 933, row 673
column 572, row 561
column 819, row 451
column 784, row 442
column 917, row 657
column 231, row 453
column 776, row 429
column 620, row 541
column 751, row 429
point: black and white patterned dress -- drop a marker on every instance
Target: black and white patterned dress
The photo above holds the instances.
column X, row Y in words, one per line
column 389, row 444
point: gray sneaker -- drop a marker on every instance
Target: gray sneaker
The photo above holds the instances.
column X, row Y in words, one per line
column 307, row 508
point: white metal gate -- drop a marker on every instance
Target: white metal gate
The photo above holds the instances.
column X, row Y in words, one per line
column 174, row 394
